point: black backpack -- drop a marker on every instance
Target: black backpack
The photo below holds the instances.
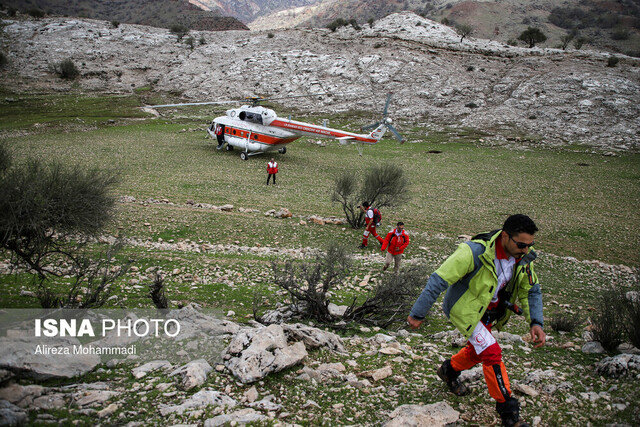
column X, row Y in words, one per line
column 377, row 216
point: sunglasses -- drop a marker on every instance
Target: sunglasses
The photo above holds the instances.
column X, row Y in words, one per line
column 522, row 245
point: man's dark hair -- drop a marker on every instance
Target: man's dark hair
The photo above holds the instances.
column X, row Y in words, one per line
column 399, row 223
column 519, row 223
column 366, row 204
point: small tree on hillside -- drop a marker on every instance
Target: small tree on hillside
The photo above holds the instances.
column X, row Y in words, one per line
column 463, row 31
column 565, row 40
column 179, row 31
column 532, row 35
column 382, row 185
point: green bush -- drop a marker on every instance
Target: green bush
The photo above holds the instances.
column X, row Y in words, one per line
column 66, row 69
column 48, row 212
column 179, row 30
column 612, row 61
column 3, row 59
column 115, row 24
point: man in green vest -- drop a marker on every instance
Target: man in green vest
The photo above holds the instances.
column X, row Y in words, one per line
column 487, row 279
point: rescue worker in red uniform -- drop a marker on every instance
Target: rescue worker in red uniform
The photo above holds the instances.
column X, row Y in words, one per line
column 372, row 221
column 395, row 243
column 272, row 170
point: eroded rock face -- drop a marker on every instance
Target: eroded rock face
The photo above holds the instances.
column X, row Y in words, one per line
column 557, row 97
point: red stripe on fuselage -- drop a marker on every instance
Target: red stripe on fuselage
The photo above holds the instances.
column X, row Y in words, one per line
column 262, row 138
column 318, row 130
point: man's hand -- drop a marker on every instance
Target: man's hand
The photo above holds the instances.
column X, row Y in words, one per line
column 538, row 335
column 414, row 323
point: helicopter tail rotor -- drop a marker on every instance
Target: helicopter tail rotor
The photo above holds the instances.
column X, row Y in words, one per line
column 385, row 121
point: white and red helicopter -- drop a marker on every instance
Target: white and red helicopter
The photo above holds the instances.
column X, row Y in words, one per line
column 255, row 129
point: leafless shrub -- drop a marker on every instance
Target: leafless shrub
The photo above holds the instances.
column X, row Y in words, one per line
column 157, row 292
column 311, row 281
column 391, row 300
column 310, row 284
column 608, row 318
column 632, row 322
column 562, row 321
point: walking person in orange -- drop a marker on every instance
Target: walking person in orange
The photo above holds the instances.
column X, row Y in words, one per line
column 485, row 279
column 395, row 243
column 372, row 218
column 272, row 170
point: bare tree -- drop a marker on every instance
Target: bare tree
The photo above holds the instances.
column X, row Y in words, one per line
column 382, row 185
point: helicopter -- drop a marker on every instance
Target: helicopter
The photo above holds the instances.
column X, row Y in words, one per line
column 255, row 129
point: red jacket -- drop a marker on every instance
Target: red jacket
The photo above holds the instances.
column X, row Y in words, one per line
column 272, row 167
column 395, row 243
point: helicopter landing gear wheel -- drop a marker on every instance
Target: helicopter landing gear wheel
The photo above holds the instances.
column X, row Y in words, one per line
column 229, row 147
column 282, row 150
column 244, row 155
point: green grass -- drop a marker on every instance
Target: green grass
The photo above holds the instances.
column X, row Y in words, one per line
column 586, row 212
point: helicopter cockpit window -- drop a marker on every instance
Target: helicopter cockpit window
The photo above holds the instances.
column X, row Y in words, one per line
column 250, row 117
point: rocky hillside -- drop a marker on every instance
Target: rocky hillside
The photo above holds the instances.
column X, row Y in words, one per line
column 544, row 96
column 605, row 25
column 155, row 13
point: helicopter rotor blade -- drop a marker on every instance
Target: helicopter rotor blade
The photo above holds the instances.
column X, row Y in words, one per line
column 371, row 126
column 395, row 133
column 190, row 104
column 386, row 105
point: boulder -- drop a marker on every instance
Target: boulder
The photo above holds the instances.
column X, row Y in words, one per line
column 434, row 415
column 11, row 415
column 314, row 337
column 619, row 365
column 255, row 353
column 193, row 374
column 201, row 399
column 243, row 416
column 30, row 357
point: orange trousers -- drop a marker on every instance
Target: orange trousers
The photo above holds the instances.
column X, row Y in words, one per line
column 495, row 373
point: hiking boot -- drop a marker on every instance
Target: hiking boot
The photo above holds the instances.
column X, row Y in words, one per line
column 362, row 246
column 510, row 413
column 450, row 377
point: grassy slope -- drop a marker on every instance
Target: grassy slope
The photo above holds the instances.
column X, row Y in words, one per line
column 584, row 211
column 583, row 202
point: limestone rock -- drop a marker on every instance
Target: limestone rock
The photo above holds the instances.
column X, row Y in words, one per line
column 11, row 415
column 314, row 337
column 200, row 399
column 255, row 353
column 619, row 365
column 243, row 416
column 434, row 415
column 193, row 374
column 17, row 354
